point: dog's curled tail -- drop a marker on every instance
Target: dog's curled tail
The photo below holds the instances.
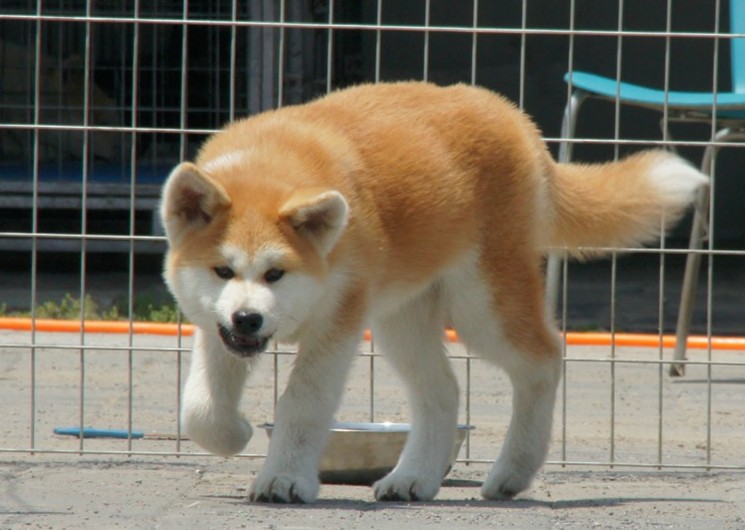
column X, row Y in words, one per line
column 619, row 204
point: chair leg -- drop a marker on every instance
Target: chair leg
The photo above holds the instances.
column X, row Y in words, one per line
column 690, row 279
column 553, row 278
column 693, row 262
column 569, row 124
column 553, row 265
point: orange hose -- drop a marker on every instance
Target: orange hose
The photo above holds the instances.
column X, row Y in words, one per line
column 651, row 340
column 93, row 326
column 638, row 340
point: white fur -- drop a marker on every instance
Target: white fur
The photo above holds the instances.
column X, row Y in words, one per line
column 677, row 180
column 212, row 395
column 411, row 338
column 196, row 289
column 302, row 420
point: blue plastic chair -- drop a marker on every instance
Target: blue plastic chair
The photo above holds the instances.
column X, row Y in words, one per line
column 727, row 109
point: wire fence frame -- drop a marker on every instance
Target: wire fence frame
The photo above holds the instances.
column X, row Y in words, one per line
column 475, row 31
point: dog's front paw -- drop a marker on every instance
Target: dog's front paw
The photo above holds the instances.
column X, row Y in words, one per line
column 284, row 488
column 221, row 434
column 404, row 487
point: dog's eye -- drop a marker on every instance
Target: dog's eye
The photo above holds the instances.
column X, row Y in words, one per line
column 224, row 273
column 273, row 275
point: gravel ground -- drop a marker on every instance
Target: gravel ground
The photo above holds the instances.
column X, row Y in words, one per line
column 628, row 410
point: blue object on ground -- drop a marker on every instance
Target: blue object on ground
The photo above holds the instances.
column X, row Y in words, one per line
column 90, row 432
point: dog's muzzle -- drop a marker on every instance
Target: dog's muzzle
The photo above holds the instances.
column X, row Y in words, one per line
column 243, row 339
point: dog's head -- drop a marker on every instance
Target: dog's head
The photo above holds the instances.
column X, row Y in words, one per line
column 247, row 260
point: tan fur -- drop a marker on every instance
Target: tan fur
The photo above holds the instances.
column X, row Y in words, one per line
column 609, row 205
column 407, row 189
column 430, row 174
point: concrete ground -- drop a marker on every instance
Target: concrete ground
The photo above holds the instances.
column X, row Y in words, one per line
column 661, row 433
column 133, row 494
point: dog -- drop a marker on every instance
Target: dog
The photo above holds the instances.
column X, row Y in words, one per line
column 401, row 206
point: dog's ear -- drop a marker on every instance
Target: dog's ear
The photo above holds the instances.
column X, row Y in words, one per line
column 190, row 200
column 318, row 215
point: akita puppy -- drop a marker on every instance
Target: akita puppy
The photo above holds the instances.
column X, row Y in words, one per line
column 401, row 206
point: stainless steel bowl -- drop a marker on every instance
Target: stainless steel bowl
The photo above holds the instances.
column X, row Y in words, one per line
column 361, row 453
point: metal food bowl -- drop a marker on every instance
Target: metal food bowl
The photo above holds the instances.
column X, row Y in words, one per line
column 361, row 453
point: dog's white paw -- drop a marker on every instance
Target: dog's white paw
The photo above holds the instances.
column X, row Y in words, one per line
column 223, row 435
column 406, row 487
column 284, row 488
column 505, row 481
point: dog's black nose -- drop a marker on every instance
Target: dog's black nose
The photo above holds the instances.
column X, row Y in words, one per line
column 246, row 323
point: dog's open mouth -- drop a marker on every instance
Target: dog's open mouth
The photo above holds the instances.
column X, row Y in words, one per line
column 242, row 345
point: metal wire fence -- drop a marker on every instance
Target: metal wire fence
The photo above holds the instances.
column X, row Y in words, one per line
column 98, row 99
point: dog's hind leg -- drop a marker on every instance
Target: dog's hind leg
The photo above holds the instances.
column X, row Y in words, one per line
column 412, row 339
column 498, row 312
column 526, row 445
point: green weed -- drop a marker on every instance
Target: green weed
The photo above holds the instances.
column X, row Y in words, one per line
column 146, row 307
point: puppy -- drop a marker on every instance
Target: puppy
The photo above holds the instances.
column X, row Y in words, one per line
column 398, row 206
